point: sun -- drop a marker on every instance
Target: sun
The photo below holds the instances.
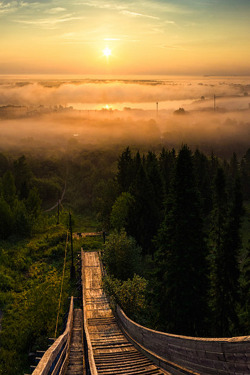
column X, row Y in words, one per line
column 107, row 52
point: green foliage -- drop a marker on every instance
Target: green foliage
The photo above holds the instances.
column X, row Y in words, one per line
column 226, row 245
column 4, row 164
column 23, row 175
column 33, row 204
column 203, row 206
column 181, row 266
column 30, row 278
column 6, row 281
column 144, row 214
column 29, row 321
column 6, row 219
column 22, row 224
column 245, row 292
column 125, row 170
column 121, row 255
column 167, row 164
column 9, row 188
column 49, row 188
column 90, row 243
column 104, row 195
column 120, row 211
column 129, row 294
column 245, row 175
column 19, row 202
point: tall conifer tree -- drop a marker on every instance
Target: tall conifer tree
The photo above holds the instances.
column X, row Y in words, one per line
column 143, row 215
column 219, row 220
column 226, row 245
column 124, row 175
column 181, row 256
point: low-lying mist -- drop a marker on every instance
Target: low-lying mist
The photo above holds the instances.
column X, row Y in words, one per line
column 211, row 114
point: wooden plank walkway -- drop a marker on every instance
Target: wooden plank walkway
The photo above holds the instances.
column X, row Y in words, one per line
column 112, row 352
column 76, row 355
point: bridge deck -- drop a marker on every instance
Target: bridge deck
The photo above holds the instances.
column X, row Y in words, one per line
column 112, row 352
column 76, row 365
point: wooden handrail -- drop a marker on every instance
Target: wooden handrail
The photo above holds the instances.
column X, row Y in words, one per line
column 56, row 356
column 194, row 353
column 92, row 364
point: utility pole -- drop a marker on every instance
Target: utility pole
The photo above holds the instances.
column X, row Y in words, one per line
column 214, row 103
column 157, row 109
column 72, row 268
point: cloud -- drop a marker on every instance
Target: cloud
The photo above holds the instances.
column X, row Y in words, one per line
column 56, row 10
column 135, row 14
column 8, row 7
column 101, row 5
column 48, row 22
column 170, row 22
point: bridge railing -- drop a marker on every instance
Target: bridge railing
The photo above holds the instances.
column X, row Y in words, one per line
column 89, row 350
column 54, row 360
column 182, row 355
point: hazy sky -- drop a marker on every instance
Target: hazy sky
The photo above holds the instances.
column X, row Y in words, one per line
column 145, row 37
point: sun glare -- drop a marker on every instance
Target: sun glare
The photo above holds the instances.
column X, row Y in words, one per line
column 107, row 52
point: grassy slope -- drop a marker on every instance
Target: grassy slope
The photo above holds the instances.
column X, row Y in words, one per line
column 30, row 276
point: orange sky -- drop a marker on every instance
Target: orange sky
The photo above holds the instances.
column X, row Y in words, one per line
column 145, row 37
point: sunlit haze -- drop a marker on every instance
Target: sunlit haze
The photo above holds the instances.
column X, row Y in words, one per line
column 125, row 72
column 211, row 113
column 194, row 37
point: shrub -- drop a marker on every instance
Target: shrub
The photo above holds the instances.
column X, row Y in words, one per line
column 122, row 256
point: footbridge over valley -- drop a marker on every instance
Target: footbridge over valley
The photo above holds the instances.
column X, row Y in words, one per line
column 116, row 345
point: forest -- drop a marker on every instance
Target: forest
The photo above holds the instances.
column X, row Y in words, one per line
column 177, row 249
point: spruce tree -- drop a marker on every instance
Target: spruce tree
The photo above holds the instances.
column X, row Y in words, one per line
column 6, row 219
column 245, row 292
column 143, row 215
column 232, row 247
column 225, row 261
column 124, row 175
column 155, row 177
column 219, row 220
column 167, row 164
column 181, row 255
column 245, row 175
column 201, row 166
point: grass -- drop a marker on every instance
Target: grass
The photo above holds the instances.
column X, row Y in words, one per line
column 85, row 224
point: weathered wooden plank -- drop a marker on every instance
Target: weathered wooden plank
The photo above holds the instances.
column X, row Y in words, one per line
column 76, row 363
column 112, row 352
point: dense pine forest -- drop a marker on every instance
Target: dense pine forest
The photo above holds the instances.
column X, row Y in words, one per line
column 185, row 210
column 176, row 255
